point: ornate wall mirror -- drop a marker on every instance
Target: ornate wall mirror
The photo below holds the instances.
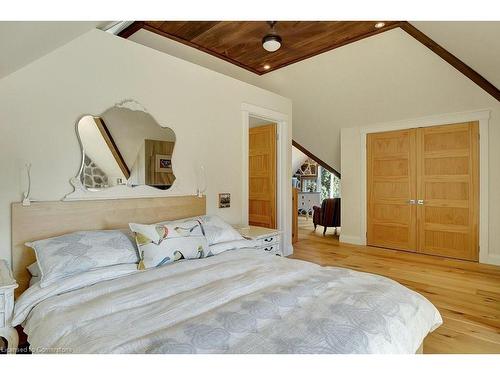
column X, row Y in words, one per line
column 124, row 146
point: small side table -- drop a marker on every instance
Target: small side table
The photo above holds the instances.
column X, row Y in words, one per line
column 7, row 286
column 268, row 239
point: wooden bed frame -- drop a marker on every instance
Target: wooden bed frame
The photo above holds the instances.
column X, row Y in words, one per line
column 48, row 219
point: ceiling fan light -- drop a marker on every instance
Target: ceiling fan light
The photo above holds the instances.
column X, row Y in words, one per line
column 271, row 42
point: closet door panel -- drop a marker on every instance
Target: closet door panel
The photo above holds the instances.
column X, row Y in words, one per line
column 448, row 185
column 391, row 174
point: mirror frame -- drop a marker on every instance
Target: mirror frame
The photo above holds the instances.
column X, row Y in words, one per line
column 80, row 192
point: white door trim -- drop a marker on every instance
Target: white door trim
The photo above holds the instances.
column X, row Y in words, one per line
column 283, row 189
column 483, row 117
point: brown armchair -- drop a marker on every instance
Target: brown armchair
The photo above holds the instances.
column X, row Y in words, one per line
column 328, row 215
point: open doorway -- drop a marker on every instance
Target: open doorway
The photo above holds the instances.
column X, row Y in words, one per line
column 316, row 188
column 262, row 173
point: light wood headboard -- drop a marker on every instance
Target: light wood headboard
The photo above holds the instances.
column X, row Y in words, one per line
column 48, row 219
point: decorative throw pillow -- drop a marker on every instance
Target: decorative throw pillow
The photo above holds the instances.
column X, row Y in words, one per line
column 217, row 230
column 168, row 242
column 78, row 252
column 212, row 227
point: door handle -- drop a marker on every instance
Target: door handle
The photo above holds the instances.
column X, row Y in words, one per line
column 412, row 201
column 420, row 202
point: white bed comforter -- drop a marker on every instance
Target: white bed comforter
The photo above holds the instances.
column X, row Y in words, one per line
column 242, row 301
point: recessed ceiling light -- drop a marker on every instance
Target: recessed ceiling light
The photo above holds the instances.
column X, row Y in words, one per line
column 267, row 67
column 379, row 25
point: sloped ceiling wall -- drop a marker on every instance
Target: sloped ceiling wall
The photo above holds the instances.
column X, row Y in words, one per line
column 24, row 42
column 476, row 43
column 384, row 78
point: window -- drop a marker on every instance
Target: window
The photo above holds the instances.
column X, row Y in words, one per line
column 330, row 184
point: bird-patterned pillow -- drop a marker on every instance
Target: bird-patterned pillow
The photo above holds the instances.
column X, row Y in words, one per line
column 160, row 244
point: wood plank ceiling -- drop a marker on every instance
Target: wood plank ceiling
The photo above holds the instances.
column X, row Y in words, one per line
column 240, row 42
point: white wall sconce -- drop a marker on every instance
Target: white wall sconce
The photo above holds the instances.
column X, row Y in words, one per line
column 26, row 196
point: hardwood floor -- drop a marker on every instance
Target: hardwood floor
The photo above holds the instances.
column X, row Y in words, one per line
column 467, row 294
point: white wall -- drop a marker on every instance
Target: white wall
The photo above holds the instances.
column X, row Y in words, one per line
column 350, row 212
column 41, row 102
column 385, row 78
column 417, row 84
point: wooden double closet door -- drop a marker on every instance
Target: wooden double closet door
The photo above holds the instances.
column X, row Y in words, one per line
column 423, row 190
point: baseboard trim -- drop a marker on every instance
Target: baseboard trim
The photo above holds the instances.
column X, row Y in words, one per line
column 288, row 250
column 493, row 259
column 355, row 240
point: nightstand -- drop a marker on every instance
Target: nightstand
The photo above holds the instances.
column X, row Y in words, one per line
column 268, row 239
column 7, row 286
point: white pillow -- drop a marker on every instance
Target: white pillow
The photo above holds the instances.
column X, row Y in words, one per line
column 161, row 244
column 34, row 270
column 79, row 252
column 231, row 245
column 217, row 230
column 34, row 280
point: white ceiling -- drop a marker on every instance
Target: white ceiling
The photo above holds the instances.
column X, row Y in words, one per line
column 475, row 43
column 24, row 42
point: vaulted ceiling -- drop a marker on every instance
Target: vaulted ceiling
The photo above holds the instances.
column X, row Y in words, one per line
column 383, row 78
column 391, row 75
column 471, row 47
column 240, row 42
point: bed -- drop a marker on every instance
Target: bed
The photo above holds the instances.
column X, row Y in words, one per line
column 239, row 301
